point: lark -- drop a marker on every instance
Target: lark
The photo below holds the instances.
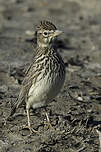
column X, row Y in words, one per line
column 46, row 74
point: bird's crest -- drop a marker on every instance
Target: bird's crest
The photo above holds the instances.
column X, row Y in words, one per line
column 46, row 25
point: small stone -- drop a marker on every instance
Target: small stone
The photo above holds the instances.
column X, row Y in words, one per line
column 80, row 98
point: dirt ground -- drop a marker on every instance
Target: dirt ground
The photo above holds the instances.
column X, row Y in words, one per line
column 75, row 114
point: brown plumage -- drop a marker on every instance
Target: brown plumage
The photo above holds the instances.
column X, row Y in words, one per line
column 45, row 75
column 44, row 25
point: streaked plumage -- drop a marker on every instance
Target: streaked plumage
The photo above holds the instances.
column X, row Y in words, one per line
column 46, row 25
column 45, row 76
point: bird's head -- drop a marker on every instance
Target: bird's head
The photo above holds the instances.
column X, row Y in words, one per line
column 46, row 32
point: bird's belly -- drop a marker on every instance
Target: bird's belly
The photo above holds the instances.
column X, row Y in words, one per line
column 43, row 91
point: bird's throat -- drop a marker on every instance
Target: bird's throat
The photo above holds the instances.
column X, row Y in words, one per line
column 44, row 45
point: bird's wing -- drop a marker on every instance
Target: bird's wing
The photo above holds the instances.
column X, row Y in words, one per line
column 31, row 75
column 26, row 84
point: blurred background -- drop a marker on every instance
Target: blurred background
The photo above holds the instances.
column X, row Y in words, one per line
column 75, row 117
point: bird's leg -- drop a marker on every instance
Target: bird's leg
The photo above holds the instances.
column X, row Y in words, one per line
column 48, row 121
column 28, row 118
column 29, row 125
column 47, row 117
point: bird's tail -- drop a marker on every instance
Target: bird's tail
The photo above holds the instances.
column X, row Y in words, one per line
column 13, row 108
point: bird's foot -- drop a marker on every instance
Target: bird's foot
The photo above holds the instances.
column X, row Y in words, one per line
column 49, row 125
column 48, row 122
column 30, row 129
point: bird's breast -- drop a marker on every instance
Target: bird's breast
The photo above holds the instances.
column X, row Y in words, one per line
column 47, row 84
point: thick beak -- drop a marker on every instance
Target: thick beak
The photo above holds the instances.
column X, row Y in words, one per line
column 57, row 32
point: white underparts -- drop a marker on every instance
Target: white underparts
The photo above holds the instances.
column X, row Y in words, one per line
column 44, row 90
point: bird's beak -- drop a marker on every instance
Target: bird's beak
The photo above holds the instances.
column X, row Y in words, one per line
column 57, row 32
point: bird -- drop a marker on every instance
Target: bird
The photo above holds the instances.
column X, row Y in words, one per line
column 45, row 75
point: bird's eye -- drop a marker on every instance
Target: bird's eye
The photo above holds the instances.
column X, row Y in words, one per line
column 45, row 34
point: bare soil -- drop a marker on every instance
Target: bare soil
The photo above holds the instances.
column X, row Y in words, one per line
column 75, row 114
